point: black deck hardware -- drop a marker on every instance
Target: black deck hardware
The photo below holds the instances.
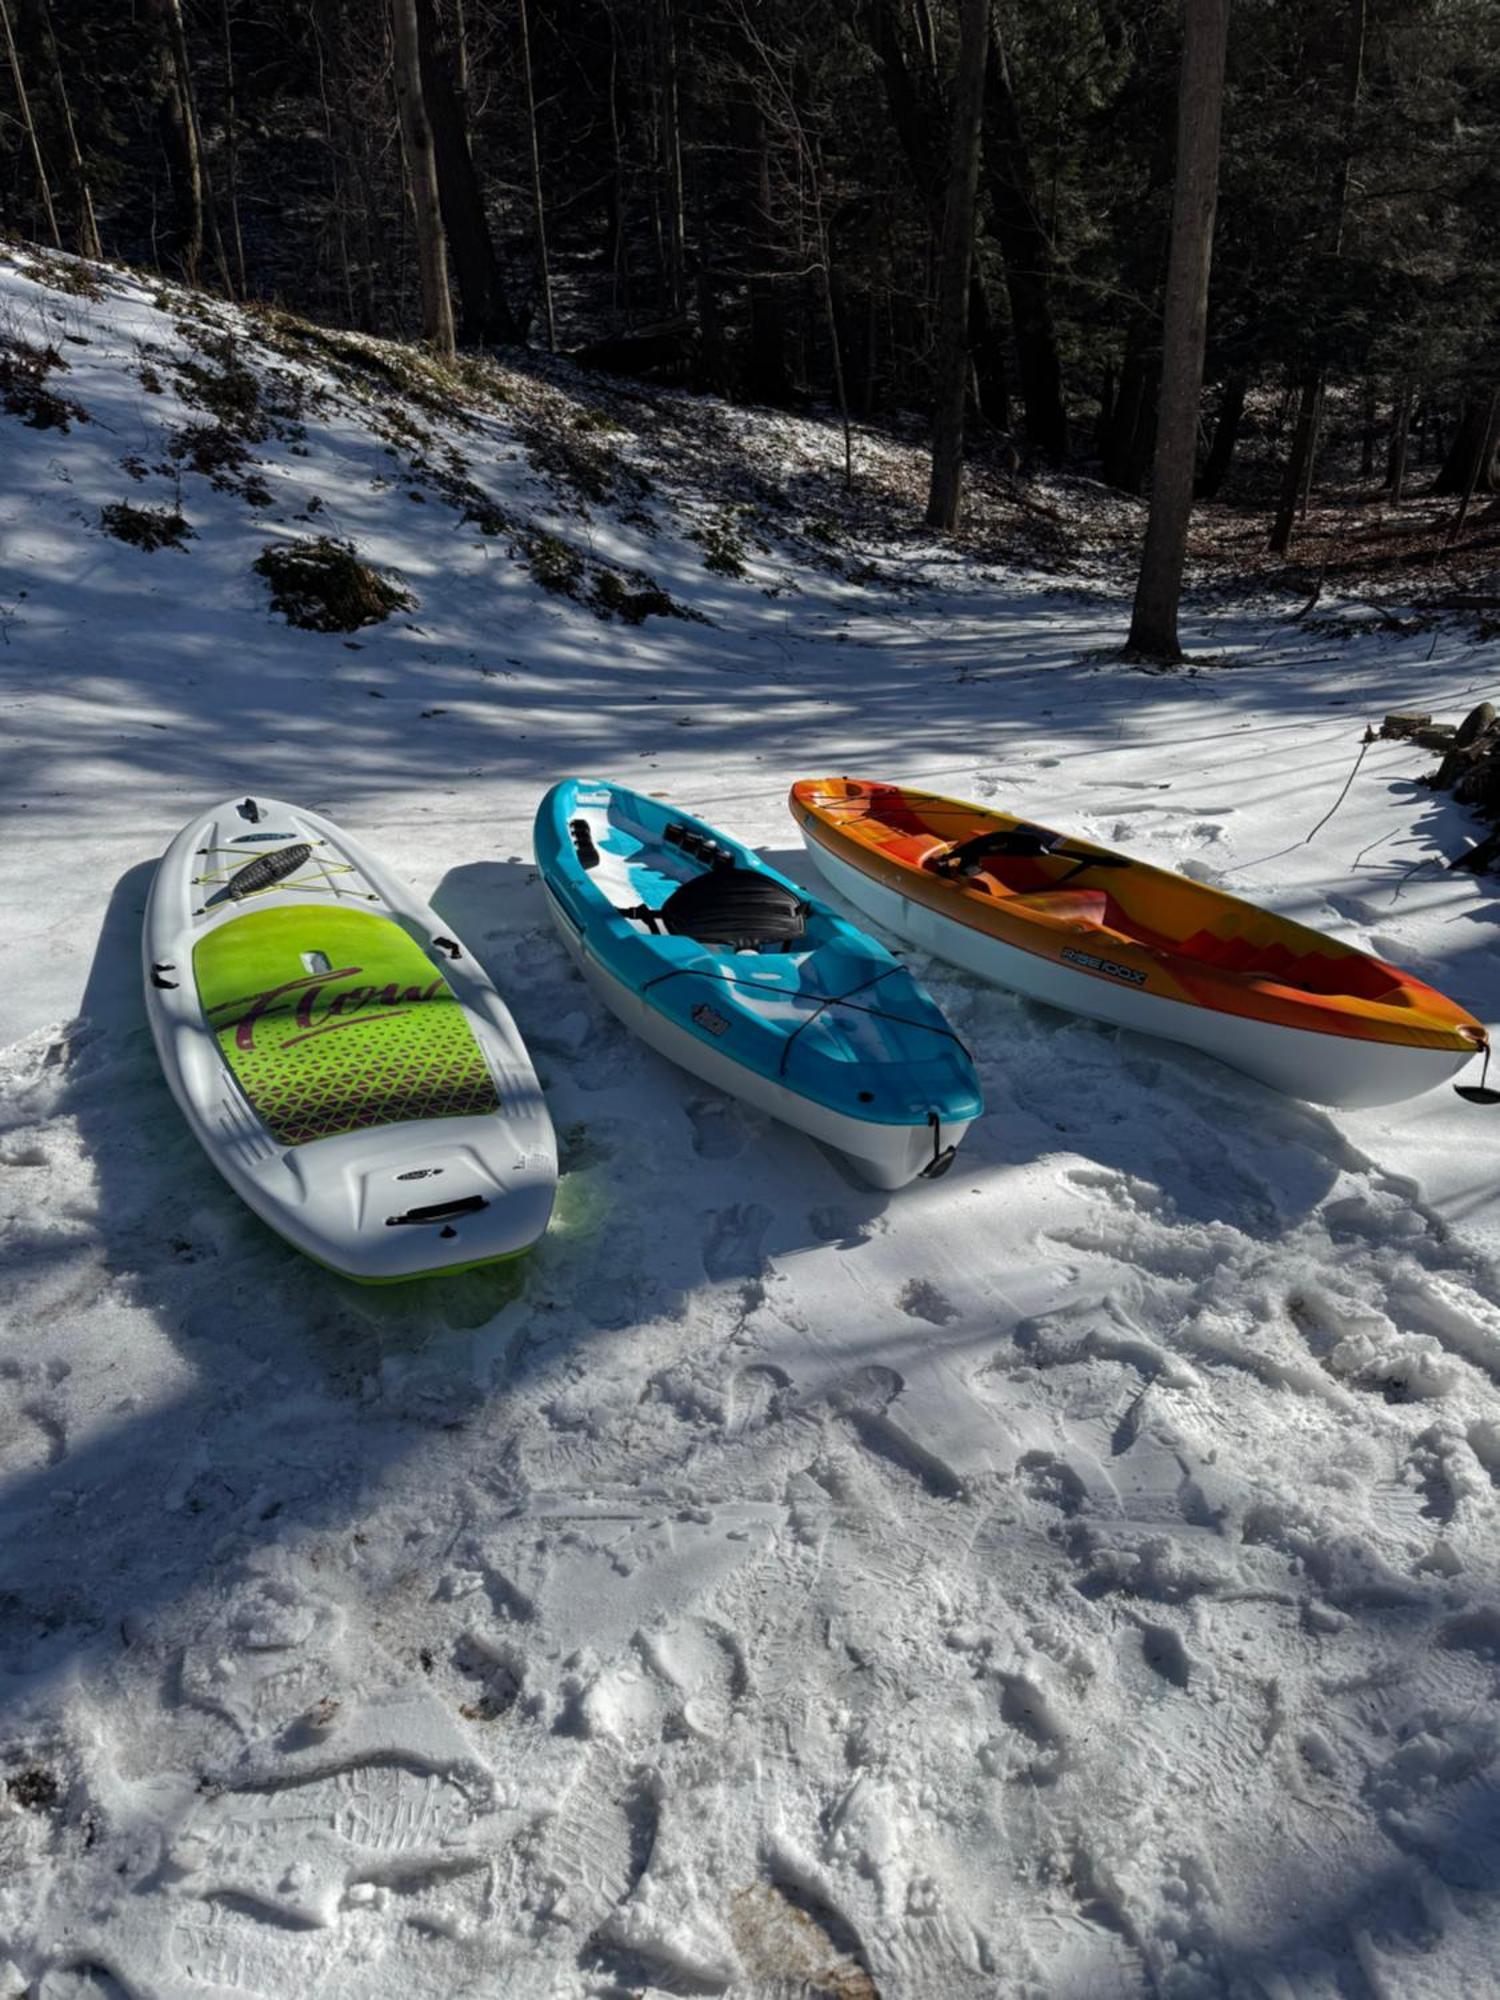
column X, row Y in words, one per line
column 266, row 870
column 583, row 843
column 1478, row 1093
column 158, row 980
column 250, row 811
column 450, row 947
column 440, row 1211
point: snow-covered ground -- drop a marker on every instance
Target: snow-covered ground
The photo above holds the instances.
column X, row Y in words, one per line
column 1077, row 1577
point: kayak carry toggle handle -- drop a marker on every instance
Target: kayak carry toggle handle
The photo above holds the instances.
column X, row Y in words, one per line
column 440, row 1211
column 1476, row 1093
column 942, row 1156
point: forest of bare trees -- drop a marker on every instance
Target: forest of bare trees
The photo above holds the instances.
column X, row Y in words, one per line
column 958, row 211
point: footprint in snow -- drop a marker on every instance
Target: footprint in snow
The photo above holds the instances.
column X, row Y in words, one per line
column 868, row 1391
column 732, row 1242
column 838, row 1225
column 1053, row 1482
column 922, row 1300
column 719, row 1127
column 1165, row 1654
column 751, row 1396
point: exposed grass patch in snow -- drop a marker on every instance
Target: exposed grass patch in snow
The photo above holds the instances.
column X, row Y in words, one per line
column 322, row 586
column 148, row 528
column 25, row 391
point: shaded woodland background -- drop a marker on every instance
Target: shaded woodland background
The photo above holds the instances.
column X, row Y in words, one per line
column 747, row 196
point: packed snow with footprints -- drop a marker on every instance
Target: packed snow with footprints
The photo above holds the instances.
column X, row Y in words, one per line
column 1074, row 1577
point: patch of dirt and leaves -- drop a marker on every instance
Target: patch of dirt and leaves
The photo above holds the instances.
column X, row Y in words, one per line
column 323, row 586
column 25, row 391
column 148, row 528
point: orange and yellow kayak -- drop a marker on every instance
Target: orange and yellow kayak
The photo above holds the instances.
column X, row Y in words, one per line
column 1099, row 933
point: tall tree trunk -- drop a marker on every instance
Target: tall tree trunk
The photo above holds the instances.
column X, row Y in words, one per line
column 619, row 193
column 1131, row 428
column 38, row 18
column 232, row 153
column 1367, row 415
column 987, row 351
column 1310, row 465
column 1227, row 420
column 363, row 319
column 1027, row 253
column 28, row 125
column 538, row 212
column 766, row 377
column 1299, row 461
column 669, row 133
column 179, row 137
column 1395, row 470
column 1297, row 479
column 485, row 307
column 951, row 372
column 421, row 166
column 1471, row 456
column 1153, row 624
column 1479, row 465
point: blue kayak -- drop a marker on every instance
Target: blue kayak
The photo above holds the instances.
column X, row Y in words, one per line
column 739, row 975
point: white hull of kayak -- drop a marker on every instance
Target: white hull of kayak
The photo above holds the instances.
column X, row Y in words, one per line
column 331, row 1198
column 1323, row 1069
column 886, row 1156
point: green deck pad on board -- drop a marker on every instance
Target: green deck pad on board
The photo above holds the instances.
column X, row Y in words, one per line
column 378, row 1038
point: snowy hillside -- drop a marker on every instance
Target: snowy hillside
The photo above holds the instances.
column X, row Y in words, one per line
column 1076, row 1577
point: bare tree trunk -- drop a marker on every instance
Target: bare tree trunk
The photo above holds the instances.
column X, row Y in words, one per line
column 619, row 282
column 1304, row 498
column 179, row 142
column 1478, row 465
column 1131, row 429
column 421, row 165
column 1227, row 420
column 486, row 310
column 1027, row 253
column 365, row 319
column 544, row 271
column 1395, row 476
column 1471, row 456
column 1298, row 464
column 38, row 16
column 951, row 372
column 766, row 379
column 1153, row 624
column 28, row 124
column 1297, row 479
column 1367, row 415
column 231, row 153
column 671, row 152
